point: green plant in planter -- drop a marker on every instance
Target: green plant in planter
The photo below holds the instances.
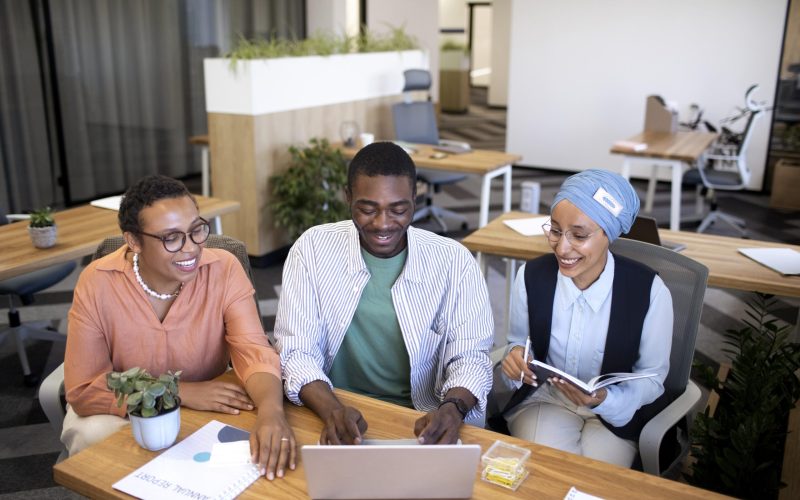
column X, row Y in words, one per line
column 321, row 44
column 42, row 217
column 147, row 396
column 310, row 192
column 453, row 46
column 740, row 449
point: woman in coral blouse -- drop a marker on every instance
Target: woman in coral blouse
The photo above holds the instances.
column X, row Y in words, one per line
column 164, row 302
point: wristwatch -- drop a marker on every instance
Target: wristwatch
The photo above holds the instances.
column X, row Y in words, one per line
column 461, row 406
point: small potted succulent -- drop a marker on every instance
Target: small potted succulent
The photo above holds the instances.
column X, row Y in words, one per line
column 42, row 228
column 153, row 405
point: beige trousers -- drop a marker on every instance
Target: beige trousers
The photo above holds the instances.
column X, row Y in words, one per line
column 79, row 432
column 550, row 419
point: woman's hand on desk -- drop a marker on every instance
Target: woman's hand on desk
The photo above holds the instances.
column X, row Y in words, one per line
column 272, row 443
column 222, row 397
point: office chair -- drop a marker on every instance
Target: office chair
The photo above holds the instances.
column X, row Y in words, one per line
column 725, row 167
column 663, row 442
column 24, row 287
column 52, row 388
column 415, row 122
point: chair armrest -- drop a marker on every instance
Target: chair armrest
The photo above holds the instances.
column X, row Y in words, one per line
column 50, row 398
column 653, row 432
column 497, row 355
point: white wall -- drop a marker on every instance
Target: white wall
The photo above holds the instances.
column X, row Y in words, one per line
column 501, row 48
column 580, row 71
column 420, row 18
column 332, row 16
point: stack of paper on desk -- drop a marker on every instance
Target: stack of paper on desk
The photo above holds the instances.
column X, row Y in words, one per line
column 633, row 146
column 200, row 466
column 111, row 203
column 784, row 260
column 527, row 227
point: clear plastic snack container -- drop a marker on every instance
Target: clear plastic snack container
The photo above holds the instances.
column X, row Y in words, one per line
column 504, row 465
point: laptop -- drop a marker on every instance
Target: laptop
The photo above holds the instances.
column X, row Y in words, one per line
column 391, row 469
column 645, row 229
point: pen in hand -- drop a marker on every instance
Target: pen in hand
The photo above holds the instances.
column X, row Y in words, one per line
column 525, row 357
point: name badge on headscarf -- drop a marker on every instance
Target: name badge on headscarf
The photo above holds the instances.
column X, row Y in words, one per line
column 610, row 203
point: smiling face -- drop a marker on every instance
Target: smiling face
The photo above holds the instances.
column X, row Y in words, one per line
column 382, row 208
column 164, row 271
column 584, row 259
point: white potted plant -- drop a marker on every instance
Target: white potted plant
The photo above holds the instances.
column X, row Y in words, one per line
column 271, row 76
column 42, row 228
column 153, row 405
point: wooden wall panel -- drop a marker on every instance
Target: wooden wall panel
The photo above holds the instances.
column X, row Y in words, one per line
column 247, row 150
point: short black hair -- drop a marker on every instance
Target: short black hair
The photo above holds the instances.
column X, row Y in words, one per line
column 144, row 193
column 382, row 158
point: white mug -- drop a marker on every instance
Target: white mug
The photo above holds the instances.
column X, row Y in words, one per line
column 366, row 138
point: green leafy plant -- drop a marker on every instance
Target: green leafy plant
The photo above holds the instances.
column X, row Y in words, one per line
column 453, row 46
column 310, row 191
column 42, row 218
column 321, row 44
column 147, row 396
column 740, row 449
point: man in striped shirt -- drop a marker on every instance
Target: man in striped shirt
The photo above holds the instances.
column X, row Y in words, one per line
column 377, row 307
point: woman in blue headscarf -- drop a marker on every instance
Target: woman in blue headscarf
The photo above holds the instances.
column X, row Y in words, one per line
column 587, row 312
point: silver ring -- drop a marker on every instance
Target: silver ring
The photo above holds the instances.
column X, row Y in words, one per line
column 284, row 439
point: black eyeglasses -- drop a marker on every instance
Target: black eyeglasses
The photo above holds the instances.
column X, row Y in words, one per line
column 174, row 241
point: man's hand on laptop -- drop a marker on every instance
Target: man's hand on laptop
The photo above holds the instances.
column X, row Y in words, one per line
column 340, row 424
column 441, row 425
column 343, row 425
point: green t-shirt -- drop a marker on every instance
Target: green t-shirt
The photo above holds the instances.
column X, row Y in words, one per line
column 373, row 359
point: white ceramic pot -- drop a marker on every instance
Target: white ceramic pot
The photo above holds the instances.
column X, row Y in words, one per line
column 43, row 237
column 156, row 433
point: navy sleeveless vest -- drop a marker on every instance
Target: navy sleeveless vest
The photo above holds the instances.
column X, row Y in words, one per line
column 629, row 306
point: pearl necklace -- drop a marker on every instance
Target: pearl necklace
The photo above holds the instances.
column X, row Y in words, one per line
column 160, row 296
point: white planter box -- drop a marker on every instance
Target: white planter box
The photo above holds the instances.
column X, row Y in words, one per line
column 261, row 86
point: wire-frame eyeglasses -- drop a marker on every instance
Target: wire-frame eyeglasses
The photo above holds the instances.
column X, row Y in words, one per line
column 574, row 239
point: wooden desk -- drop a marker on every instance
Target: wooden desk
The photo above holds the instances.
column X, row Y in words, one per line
column 552, row 472
column 671, row 150
column 489, row 164
column 80, row 230
column 727, row 268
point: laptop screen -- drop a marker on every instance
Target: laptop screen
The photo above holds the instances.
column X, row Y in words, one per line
column 644, row 229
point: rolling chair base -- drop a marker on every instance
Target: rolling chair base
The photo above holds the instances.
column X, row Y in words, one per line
column 715, row 215
column 438, row 214
column 38, row 330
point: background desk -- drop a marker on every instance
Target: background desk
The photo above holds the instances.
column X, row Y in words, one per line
column 205, row 179
column 671, row 150
column 489, row 164
column 80, row 230
column 727, row 268
column 552, row 472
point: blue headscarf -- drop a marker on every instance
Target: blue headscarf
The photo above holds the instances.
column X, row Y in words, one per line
column 605, row 197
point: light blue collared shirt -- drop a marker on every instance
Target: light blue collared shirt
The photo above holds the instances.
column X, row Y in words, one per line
column 578, row 338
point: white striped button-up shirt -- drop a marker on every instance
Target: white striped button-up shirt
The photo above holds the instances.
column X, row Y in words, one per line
column 440, row 298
